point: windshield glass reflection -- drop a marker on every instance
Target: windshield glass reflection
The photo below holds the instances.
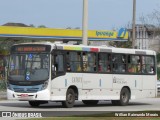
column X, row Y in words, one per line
column 31, row 67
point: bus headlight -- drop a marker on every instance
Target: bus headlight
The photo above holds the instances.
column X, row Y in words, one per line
column 45, row 84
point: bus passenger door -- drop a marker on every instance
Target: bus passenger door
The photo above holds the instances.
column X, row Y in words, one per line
column 57, row 74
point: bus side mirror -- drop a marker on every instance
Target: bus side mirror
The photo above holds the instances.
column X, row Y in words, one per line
column 54, row 70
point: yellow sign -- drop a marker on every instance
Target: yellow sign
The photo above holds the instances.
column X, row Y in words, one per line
column 48, row 33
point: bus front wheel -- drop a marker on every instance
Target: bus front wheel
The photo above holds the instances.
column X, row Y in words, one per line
column 70, row 99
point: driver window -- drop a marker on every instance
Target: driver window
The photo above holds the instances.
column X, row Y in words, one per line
column 57, row 63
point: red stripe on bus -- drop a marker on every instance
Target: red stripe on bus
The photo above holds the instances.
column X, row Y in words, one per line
column 94, row 49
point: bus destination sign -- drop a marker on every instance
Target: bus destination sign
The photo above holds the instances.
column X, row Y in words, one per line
column 30, row 48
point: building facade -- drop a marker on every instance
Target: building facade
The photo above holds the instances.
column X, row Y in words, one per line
column 147, row 37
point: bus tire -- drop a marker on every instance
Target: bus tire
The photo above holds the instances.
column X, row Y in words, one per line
column 124, row 97
column 70, row 99
column 34, row 103
column 90, row 102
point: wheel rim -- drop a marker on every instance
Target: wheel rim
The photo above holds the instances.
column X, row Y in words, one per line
column 70, row 98
column 124, row 97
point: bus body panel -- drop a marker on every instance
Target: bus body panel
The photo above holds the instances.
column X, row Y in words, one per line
column 97, row 81
column 59, row 85
column 138, row 94
column 99, row 94
column 133, row 81
column 148, row 82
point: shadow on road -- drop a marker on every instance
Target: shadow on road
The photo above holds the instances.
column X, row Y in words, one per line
column 52, row 105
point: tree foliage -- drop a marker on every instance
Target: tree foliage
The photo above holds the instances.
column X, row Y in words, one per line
column 120, row 44
column 42, row 26
column 158, row 58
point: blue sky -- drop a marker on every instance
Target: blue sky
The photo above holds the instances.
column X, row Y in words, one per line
column 103, row 14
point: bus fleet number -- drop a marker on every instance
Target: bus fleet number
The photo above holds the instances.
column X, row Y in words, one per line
column 76, row 79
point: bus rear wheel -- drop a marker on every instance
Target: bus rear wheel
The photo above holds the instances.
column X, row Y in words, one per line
column 34, row 103
column 124, row 98
column 90, row 102
column 70, row 99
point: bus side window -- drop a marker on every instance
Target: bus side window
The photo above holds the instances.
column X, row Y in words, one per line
column 104, row 62
column 89, row 62
column 68, row 62
column 73, row 61
column 148, row 65
column 151, row 70
column 58, row 63
column 85, row 60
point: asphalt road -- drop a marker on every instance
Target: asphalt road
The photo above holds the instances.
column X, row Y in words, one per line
column 55, row 109
column 134, row 105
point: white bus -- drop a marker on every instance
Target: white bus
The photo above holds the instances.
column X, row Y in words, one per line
column 44, row 72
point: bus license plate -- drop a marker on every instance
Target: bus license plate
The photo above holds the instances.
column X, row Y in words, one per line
column 24, row 95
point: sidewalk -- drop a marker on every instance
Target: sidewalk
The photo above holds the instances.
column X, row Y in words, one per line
column 3, row 95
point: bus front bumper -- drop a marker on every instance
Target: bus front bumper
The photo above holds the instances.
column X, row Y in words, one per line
column 40, row 95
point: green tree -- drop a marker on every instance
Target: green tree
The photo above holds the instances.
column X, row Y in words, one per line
column 42, row 26
column 31, row 25
column 120, row 44
column 158, row 68
column 158, row 58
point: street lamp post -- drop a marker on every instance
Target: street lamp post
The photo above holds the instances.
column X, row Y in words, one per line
column 133, row 24
column 85, row 23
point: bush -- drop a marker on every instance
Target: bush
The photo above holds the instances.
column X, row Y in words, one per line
column 2, row 85
column 158, row 73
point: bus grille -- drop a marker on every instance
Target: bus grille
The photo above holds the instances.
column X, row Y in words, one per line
column 26, row 90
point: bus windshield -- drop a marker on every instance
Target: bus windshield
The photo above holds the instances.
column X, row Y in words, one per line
column 29, row 67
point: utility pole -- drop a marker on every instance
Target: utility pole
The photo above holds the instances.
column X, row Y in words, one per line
column 133, row 24
column 85, row 23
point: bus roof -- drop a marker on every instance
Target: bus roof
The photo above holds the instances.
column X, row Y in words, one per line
column 104, row 49
column 62, row 46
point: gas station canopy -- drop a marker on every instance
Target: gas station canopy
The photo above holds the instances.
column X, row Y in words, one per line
column 62, row 34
